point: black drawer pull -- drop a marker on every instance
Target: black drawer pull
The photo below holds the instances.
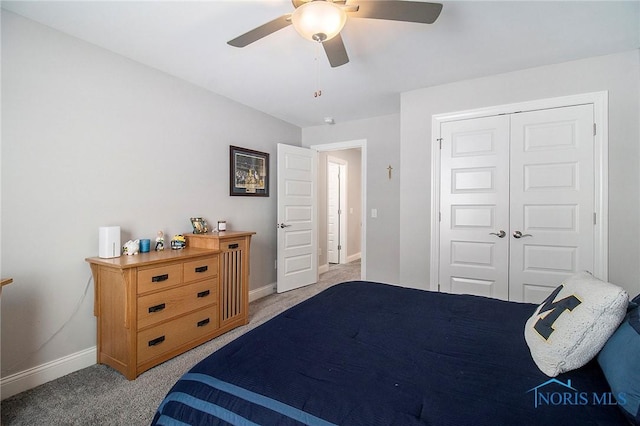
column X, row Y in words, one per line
column 156, row 341
column 234, row 246
column 202, row 269
column 157, row 308
column 203, row 322
column 159, row 278
column 204, row 293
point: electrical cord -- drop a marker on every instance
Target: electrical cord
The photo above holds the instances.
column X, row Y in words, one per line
column 46, row 342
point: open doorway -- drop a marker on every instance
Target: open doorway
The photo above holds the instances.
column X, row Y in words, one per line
column 341, row 201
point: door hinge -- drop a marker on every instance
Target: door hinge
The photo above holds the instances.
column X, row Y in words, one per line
column 439, row 217
column 595, row 215
column 438, row 286
column 440, row 142
column 339, row 247
column 594, row 129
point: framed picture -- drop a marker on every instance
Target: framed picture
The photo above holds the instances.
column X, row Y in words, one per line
column 199, row 225
column 248, row 172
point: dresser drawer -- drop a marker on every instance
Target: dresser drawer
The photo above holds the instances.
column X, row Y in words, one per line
column 160, row 306
column 166, row 337
column 202, row 268
column 238, row 244
column 160, row 277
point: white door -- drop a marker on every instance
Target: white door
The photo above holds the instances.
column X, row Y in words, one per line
column 552, row 199
column 336, row 206
column 333, row 212
column 474, row 207
column 297, row 222
column 530, row 175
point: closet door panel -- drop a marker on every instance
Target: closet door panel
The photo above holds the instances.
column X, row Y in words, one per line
column 474, row 207
column 552, row 199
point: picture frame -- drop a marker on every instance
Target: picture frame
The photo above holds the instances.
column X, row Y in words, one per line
column 199, row 225
column 248, row 172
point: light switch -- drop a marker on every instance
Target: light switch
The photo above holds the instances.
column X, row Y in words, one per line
column 374, row 212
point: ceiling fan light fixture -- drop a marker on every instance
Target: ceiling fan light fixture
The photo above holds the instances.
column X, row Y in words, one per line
column 319, row 20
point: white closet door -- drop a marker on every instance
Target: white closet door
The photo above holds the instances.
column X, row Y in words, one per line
column 474, row 206
column 552, row 199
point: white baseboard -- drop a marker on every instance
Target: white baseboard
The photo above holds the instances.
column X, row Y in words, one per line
column 325, row 268
column 261, row 292
column 41, row 374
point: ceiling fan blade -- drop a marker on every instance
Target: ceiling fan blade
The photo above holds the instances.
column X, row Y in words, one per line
column 261, row 31
column 336, row 52
column 397, row 10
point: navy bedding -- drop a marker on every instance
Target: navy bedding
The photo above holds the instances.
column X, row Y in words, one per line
column 363, row 353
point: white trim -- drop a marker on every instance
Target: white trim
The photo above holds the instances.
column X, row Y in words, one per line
column 362, row 144
column 601, row 159
column 261, row 292
column 41, row 374
column 434, row 267
column 559, row 102
column 325, row 268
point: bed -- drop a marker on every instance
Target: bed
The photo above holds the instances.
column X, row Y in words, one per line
column 363, row 353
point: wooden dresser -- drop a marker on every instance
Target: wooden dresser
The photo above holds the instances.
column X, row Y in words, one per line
column 153, row 306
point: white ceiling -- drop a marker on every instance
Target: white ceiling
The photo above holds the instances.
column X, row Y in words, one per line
column 279, row 74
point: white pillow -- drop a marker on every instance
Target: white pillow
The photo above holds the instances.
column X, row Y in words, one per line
column 571, row 326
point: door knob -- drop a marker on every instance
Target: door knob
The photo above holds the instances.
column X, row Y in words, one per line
column 282, row 225
column 518, row 234
column 499, row 234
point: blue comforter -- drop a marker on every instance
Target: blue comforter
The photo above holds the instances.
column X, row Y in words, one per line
column 363, row 353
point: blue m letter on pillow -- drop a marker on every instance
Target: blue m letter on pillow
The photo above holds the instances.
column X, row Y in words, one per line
column 544, row 326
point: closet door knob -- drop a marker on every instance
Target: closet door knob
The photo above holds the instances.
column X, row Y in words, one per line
column 518, row 234
column 499, row 234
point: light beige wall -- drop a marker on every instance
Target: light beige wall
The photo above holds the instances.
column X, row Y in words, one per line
column 382, row 136
column 90, row 138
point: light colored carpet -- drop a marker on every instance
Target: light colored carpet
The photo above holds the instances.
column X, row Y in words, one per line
column 98, row 395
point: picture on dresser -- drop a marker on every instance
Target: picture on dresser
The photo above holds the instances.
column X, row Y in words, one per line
column 248, row 172
column 199, row 225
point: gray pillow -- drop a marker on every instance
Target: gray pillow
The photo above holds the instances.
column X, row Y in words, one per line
column 571, row 326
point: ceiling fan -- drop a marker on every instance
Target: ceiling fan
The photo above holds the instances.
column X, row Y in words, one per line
column 322, row 21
